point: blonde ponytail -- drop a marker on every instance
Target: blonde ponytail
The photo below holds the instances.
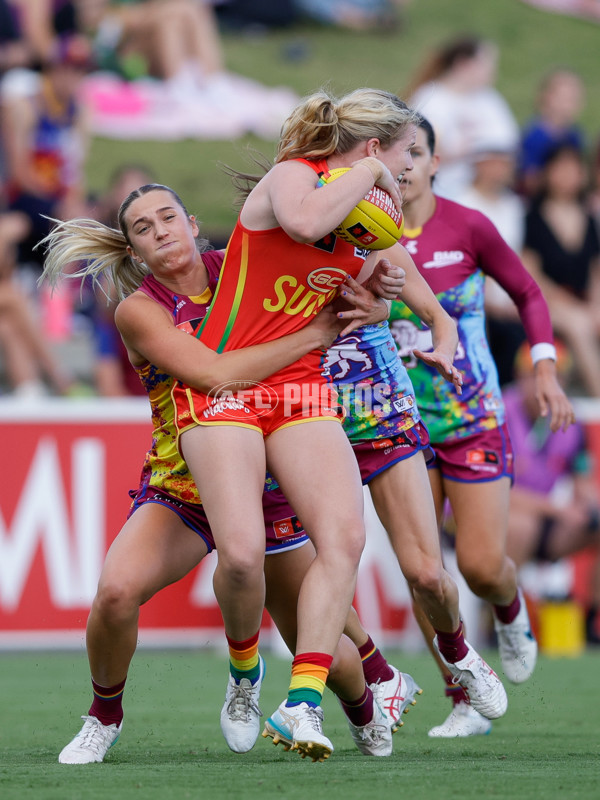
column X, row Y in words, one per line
column 85, row 248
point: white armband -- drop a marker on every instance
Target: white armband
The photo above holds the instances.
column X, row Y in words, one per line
column 541, row 351
column 389, row 306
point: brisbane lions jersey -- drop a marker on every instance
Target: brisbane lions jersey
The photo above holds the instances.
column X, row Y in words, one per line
column 163, row 465
column 454, row 251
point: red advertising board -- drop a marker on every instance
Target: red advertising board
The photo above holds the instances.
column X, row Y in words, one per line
column 66, row 470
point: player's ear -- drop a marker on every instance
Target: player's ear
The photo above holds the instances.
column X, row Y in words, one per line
column 133, row 255
column 373, row 147
column 195, row 226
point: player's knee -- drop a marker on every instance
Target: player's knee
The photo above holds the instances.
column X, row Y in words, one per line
column 482, row 579
column 116, row 601
column 351, row 540
column 344, row 556
column 429, row 580
column 241, row 567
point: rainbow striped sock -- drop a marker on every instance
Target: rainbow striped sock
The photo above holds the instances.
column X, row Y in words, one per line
column 309, row 675
column 244, row 661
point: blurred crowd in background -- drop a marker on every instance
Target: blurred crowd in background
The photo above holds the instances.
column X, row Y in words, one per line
column 64, row 61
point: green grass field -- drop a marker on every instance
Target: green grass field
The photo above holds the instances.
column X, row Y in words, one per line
column 531, row 41
column 171, row 747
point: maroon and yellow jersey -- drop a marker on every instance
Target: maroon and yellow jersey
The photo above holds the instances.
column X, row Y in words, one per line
column 271, row 286
column 163, row 465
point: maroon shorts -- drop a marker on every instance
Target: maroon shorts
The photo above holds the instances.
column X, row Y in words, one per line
column 485, row 456
column 283, row 530
column 376, row 455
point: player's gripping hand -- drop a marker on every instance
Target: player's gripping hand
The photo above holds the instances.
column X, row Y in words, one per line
column 383, row 178
column 443, row 365
column 551, row 398
column 357, row 306
column 387, row 280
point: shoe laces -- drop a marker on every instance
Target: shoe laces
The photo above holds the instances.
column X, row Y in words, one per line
column 314, row 717
column 242, row 702
column 479, row 671
column 94, row 735
column 378, row 690
column 372, row 733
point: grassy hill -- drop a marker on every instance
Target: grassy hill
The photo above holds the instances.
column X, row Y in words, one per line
column 309, row 56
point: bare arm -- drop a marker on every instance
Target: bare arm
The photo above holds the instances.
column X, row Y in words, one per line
column 17, row 126
column 149, row 335
column 288, row 196
column 37, row 26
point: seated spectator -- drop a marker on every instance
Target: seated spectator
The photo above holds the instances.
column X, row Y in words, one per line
column 44, row 138
column 492, row 191
column 454, row 88
column 562, row 252
column 178, row 42
column 554, row 510
column 14, row 51
column 255, row 15
column 595, row 187
column 29, row 366
column 560, row 101
column 40, row 25
column 358, row 15
column 163, row 75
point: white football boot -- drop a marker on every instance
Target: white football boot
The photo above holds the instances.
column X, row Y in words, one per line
column 517, row 645
column 91, row 744
column 395, row 696
column 463, row 720
column 484, row 687
column 240, row 715
column 299, row 728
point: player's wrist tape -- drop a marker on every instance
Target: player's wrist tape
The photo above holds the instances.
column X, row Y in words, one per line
column 541, row 351
column 368, row 163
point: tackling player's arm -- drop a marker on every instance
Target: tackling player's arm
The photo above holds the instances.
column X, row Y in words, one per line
column 149, row 335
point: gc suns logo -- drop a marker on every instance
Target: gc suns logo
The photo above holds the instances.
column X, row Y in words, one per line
column 325, row 279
